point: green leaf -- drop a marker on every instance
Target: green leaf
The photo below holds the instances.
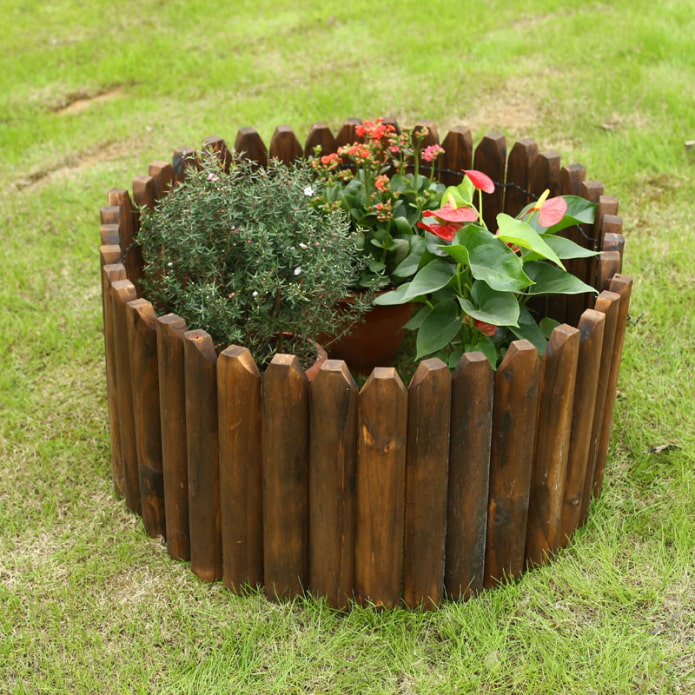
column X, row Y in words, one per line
column 491, row 306
column 550, row 279
column 564, row 248
column 530, row 330
column 522, row 234
column 438, row 328
column 581, row 210
column 397, row 296
column 489, row 259
column 418, row 317
column 434, row 276
column 485, row 345
column 548, row 325
column 409, row 265
column 459, row 195
column 403, row 226
column 399, row 248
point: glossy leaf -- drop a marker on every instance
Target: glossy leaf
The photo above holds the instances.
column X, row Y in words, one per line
column 409, row 265
column 438, row 329
column 520, row 233
column 489, row 259
column 434, row 276
column 530, row 330
column 491, row 306
column 566, row 248
column 549, row 279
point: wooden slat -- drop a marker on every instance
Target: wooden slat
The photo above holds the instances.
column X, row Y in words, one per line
column 380, row 487
column 458, row 154
column 321, row 136
column 607, row 303
column 112, row 273
column 571, row 178
column 241, row 477
column 284, row 145
column 432, row 137
column 285, row 445
column 519, row 165
column 131, row 252
column 585, row 268
column 469, row 472
column 172, row 406
column 110, row 254
column 122, row 292
column 109, row 234
column 347, row 135
column 144, row 191
column 621, row 285
column 511, row 460
column 613, row 242
column 214, row 144
column 490, row 157
column 608, row 205
column 203, row 455
column 610, row 224
column 562, row 307
column 249, row 144
column 110, row 214
column 144, row 371
column 545, row 173
column 547, row 492
column 183, row 159
column 427, row 459
column 591, row 327
column 332, row 462
column 609, row 264
column 163, row 174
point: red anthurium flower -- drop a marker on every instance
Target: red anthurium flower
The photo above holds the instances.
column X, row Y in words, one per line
column 485, row 328
column 481, row 181
column 459, row 215
column 443, row 231
column 552, row 211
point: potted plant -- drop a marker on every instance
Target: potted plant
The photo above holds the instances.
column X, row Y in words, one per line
column 378, row 181
column 476, row 286
column 244, row 254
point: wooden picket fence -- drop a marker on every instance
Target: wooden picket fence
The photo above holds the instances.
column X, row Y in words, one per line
column 385, row 494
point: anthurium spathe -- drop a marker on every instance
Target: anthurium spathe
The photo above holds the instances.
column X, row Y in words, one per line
column 449, row 220
column 480, row 180
column 474, row 285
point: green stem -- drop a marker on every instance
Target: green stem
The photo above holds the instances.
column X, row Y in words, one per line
column 480, row 208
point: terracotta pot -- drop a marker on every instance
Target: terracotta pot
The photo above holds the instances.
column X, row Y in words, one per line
column 372, row 342
column 321, row 356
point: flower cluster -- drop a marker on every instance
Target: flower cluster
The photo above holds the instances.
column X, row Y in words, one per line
column 378, row 181
column 475, row 285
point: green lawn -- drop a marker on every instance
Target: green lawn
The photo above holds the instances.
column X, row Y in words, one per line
column 90, row 93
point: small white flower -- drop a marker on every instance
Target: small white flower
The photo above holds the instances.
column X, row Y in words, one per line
column 297, row 270
column 213, row 177
column 309, row 190
column 303, row 246
column 254, row 293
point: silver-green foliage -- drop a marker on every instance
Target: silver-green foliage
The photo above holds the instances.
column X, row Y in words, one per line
column 246, row 257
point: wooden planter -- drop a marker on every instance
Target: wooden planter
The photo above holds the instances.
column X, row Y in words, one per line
column 386, row 493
